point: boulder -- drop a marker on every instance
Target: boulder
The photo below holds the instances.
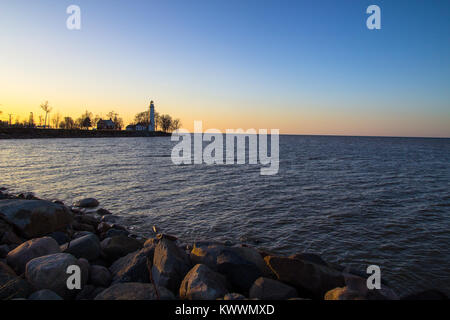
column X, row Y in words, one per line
column 35, row 218
column 202, row 283
column 134, row 291
column 310, row 279
column 12, row 286
column 269, row 289
column 19, row 257
column 87, row 247
column 86, row 203
column 134, row 267
column 241, row 265
column 99, row 276
column 170, row 265
column 119, row 246
column 49, row 272
column 44, row 294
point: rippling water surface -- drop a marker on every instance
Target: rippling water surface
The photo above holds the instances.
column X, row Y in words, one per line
column 353, row 200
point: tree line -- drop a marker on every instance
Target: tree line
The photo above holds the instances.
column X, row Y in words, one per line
column 87, row 120
column 163, row 122
column 56, row 121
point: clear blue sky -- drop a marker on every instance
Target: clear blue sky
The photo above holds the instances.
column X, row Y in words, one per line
column 301, row 66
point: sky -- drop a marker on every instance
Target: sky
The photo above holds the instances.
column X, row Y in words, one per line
column 304, row 67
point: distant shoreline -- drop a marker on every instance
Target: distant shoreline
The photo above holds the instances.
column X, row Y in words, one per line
column 33, row 133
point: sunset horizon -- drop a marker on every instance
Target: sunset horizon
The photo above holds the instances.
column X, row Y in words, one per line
column 280, row 70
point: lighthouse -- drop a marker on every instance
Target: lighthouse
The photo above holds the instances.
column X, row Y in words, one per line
column 151, row 124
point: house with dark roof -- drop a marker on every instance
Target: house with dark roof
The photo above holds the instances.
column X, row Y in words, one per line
column 106, row 124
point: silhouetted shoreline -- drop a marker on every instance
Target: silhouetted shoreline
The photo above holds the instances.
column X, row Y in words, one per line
column 34, row 133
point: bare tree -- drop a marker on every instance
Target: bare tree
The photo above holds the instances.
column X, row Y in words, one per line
column 47, row 109
column 165, row 121
column 176, row 124
column 55, row 120
column 67, row 123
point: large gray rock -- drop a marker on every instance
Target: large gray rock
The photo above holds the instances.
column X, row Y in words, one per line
column 44, row 294
column 269, row 289
column 86, row 203
column 12, row 286
column 119, row 246
column 87, row 247
column 134, row 267
column 35, row 218
column 170, row 265
column 19, row 257
column 99, row 276
column 134, row 291
column 241, row 265
column 310, row 279
column 49, row 272
column 202, row 283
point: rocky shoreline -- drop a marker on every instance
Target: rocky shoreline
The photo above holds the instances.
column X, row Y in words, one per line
column 40, row 239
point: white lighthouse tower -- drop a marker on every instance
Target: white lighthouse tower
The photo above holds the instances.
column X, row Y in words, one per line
column 151, row 125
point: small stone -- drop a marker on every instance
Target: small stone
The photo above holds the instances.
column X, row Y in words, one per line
column 103, row 212
column 87, row 203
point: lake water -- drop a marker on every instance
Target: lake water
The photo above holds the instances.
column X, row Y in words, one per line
column 353, row 200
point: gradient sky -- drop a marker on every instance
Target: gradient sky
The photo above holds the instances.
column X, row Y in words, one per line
column 304, row 67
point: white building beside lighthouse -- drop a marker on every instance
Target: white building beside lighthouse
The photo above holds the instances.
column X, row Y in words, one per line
column 151, row 125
